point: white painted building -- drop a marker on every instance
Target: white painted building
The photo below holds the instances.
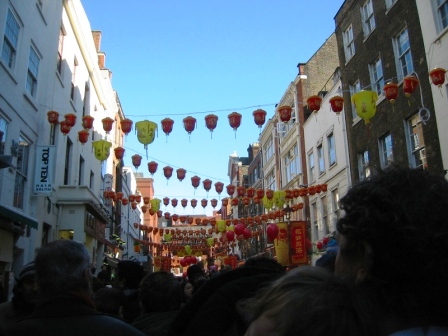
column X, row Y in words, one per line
column 434, row 26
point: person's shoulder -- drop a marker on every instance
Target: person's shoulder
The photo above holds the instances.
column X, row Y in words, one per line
column 432, row 331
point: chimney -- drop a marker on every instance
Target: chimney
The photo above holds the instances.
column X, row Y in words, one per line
column 96, row 34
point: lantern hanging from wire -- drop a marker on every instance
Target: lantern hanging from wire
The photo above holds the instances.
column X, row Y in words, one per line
column 193, row 203
column 437, row 76
column 284, row 113
column 184, row 202
column 211, row 121
column 136, row 160
column 225, row 202
column 337, row 104
column 146, row 132
column 70, row 118
column 174, row 202
column 152, row 167
column 230, row 189
column 410, row 84
column 83, row 136
column 314, row 103
column 189, row 124
column 391, row 92
column 260, row 193
column 195, row 180
column 155, row 204
column 166, row 201
column 204, row 203
column 101, row 149
column 235, row 120
column 167, row 126
column 365, row 104
column 181, row 173
column 126, row 126
column 259, row 117
column 168, row 172
column 52, row 117
column 107, row 124
column 87, row 122
column 219, row 186
column 65, row 128
column 241, row 191
column 214, row 202
column 207, row 184
column 119, row 153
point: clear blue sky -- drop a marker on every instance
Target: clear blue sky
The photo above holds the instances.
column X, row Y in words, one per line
column 179, row 58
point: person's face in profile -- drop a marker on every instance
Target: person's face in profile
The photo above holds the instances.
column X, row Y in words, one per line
column 350, row 260
column 188, row 290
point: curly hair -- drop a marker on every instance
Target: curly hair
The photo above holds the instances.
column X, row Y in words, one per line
column 400, row 215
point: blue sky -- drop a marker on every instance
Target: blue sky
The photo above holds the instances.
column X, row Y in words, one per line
column 191, row 58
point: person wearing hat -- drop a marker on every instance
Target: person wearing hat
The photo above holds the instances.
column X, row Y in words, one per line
column 23, row 301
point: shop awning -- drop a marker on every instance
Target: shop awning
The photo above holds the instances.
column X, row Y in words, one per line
column 17, row 217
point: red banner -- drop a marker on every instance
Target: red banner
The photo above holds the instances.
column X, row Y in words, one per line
column 299, row 254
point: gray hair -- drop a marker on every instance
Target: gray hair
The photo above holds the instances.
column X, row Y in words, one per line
column 61, row 268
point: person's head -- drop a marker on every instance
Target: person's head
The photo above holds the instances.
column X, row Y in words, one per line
column 306, row 301
column 195, row 273
column 110, row 301
column 160, row 292
column 129, row 274
column 188, row 290
column 265, row 263
column 62, row 266
column 25, row 289
column 392, row 239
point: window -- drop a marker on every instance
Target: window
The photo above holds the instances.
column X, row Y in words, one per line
column 389, row 3
column 321, row 159
column 324, row 210
column 3, row 134
column 72, row 91
column 349, row 44
column 81, row 171
column 363, row 165
column 269, row 149
column 335, row 205
column 60, row 45
column 368, row 20
column 315, row 220
column 416, row 143
column 311, row 177
column 403, row 57
column 270, row 180
column 331, row 149
column 291, row 167
column 376, row 76
column 21, row 172
column 356, row 87
column 9, row 49
column 385, row 146
column 68, row 155
column 92, row 180
column 442, row 14
column 33, row 67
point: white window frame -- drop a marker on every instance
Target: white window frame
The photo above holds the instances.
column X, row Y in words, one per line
column 10, row 39
column 4, row 130
column 270, row 180
column 416, row 143
column 33, row 71
column 315, row 219
column 440, row 14
column 60, row 51
column 368, row 19
column 335, row 206
column 349, row 43
column 385, row 146
column 390, row 3
column 403, row 55
column 290, row 165
column 23, row 156
column 363, row 165
column 311, row 167
column 331, row 145
column 377, row 76
column 269, row 149
column 320, row 158
column 324, row 215
column 356, row 87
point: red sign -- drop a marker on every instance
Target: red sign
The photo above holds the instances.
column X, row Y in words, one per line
column 231, row 260
column 298, row 243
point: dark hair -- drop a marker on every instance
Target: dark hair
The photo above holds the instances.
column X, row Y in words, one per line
column 61, row 267
column 160, row 292
column 400, row 215
column 109, row 300
column 131, row 272
column 265, row 263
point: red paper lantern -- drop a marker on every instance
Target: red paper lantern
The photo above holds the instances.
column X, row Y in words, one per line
column 107, row 124
column 319, row 245
column 239, row 228
column 324, row 186
column 250, row 192
column 225, row 202
column 131, row 198
column 269, row 194
column 126, row 125
column 198, row 221
column 167, row 126
column 195, row 180
column 204, row 202
column 314, row 103
column 138, row 198
column 235, row 120
column 167, row 215
column 207, row 184
column 124, row 201
column 234, row 201
column 193, row 203
column 159, row 213
column 52, row 117
column 166, row 201
column 189, row 124
column 219, row 187
column 391, row 92
column 144, row 208
column 181, row 173
column 214, row 202
column 83, row 136
column 284, row 113
column 312, row 190
column 174, row 202
column 146, row 199
column 87, row 122
column 240, row 191
column 119, row 195
column 230, row 235
column 437, row 76
column 152, row 167
column 70, row 119
column 410, row 84
column 230, row 189
column 174, row 217
column 259, row 117
column 211, row 121
column 134, row 205
column 272, row 231
column 65, row 128
column 168, row 171
column 256, row 200
column 119, row 152
column 295, row 193
column 246, row 200
column 190, row 220
column 288, row 194
column 303, row 192
column 260, row 193
column 337, row 104
column 247, row 233
column 136, row 160
column 184, row 202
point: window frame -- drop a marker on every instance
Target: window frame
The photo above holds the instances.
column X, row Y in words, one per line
column 9, row 56
column 320, row 159
column 32, row 71
column 385, row 146
column 355, row 87
column 368, row 18
column 311, row 167
column 364, row 165
column 331, row 144
column 412, row 133
column 4, row 129
column 440, row 15
column 21, row 176
column 269, row 149
column 403, row 59
column 349, row 43
column 376, row 80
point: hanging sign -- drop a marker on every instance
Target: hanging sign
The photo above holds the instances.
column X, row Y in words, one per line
column 44, row 173
column 299, row 255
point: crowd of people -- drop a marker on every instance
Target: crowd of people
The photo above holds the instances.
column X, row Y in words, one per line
column 385, row 274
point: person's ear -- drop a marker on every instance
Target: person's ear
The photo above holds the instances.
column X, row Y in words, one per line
column 366, row 264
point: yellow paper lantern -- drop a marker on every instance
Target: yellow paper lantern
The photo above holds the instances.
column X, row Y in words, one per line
column 279, row 198
column 187, row 249
column 146, row 132
column 210, row 242
column 221, row 225
column 365, row 104
column 102, row 149
column 167, row 237
column 230, row 228
column 268, row 203
column 155, row 204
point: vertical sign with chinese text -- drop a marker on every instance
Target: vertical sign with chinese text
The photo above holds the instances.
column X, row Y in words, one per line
column 299, row 255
